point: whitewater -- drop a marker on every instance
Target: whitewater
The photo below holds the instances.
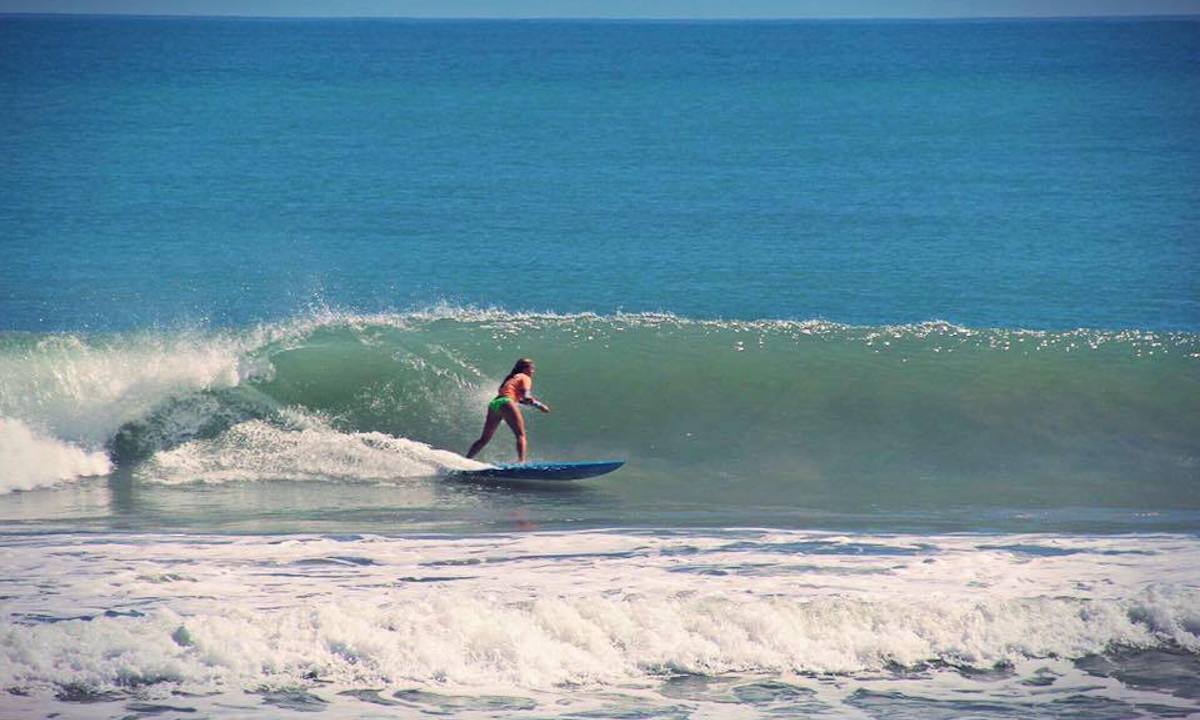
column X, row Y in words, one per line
column 602, row 622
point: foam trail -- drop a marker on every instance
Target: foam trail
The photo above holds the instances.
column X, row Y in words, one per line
column 307, row 450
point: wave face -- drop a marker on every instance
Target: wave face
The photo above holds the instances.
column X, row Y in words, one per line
column 771, row 413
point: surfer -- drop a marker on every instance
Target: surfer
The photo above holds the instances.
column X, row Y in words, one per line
column 514, row 391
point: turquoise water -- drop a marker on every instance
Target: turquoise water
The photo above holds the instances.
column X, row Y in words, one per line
column 897, row 325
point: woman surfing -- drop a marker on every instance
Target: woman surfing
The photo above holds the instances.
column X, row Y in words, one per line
column 514, row 391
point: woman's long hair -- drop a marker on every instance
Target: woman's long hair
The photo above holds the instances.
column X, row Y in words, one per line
column 522, row 366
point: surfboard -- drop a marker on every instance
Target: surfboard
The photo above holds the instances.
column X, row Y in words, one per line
column 542, row 471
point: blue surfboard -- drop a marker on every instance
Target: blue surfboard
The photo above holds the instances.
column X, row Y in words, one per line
column 541, row 471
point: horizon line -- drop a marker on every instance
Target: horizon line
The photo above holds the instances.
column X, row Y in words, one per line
column 611, row 18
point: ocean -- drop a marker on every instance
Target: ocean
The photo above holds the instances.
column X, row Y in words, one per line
column 896, row 325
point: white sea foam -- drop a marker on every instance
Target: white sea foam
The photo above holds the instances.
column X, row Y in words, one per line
column 471, row 639
column 30, row 460
column 534, row 612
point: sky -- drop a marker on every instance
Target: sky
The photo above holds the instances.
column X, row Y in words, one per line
column 666, row 9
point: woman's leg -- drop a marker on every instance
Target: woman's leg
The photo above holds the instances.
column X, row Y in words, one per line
column 512, row 416
column 490, row 423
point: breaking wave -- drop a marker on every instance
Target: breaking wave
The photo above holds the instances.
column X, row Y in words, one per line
column 841, row 414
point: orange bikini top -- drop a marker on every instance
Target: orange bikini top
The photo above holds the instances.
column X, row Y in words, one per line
column 517, row 387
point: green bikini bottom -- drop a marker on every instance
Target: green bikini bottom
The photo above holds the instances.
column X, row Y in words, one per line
column 498, row 402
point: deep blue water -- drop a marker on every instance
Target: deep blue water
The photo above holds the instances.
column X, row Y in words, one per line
column 1003, row 174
